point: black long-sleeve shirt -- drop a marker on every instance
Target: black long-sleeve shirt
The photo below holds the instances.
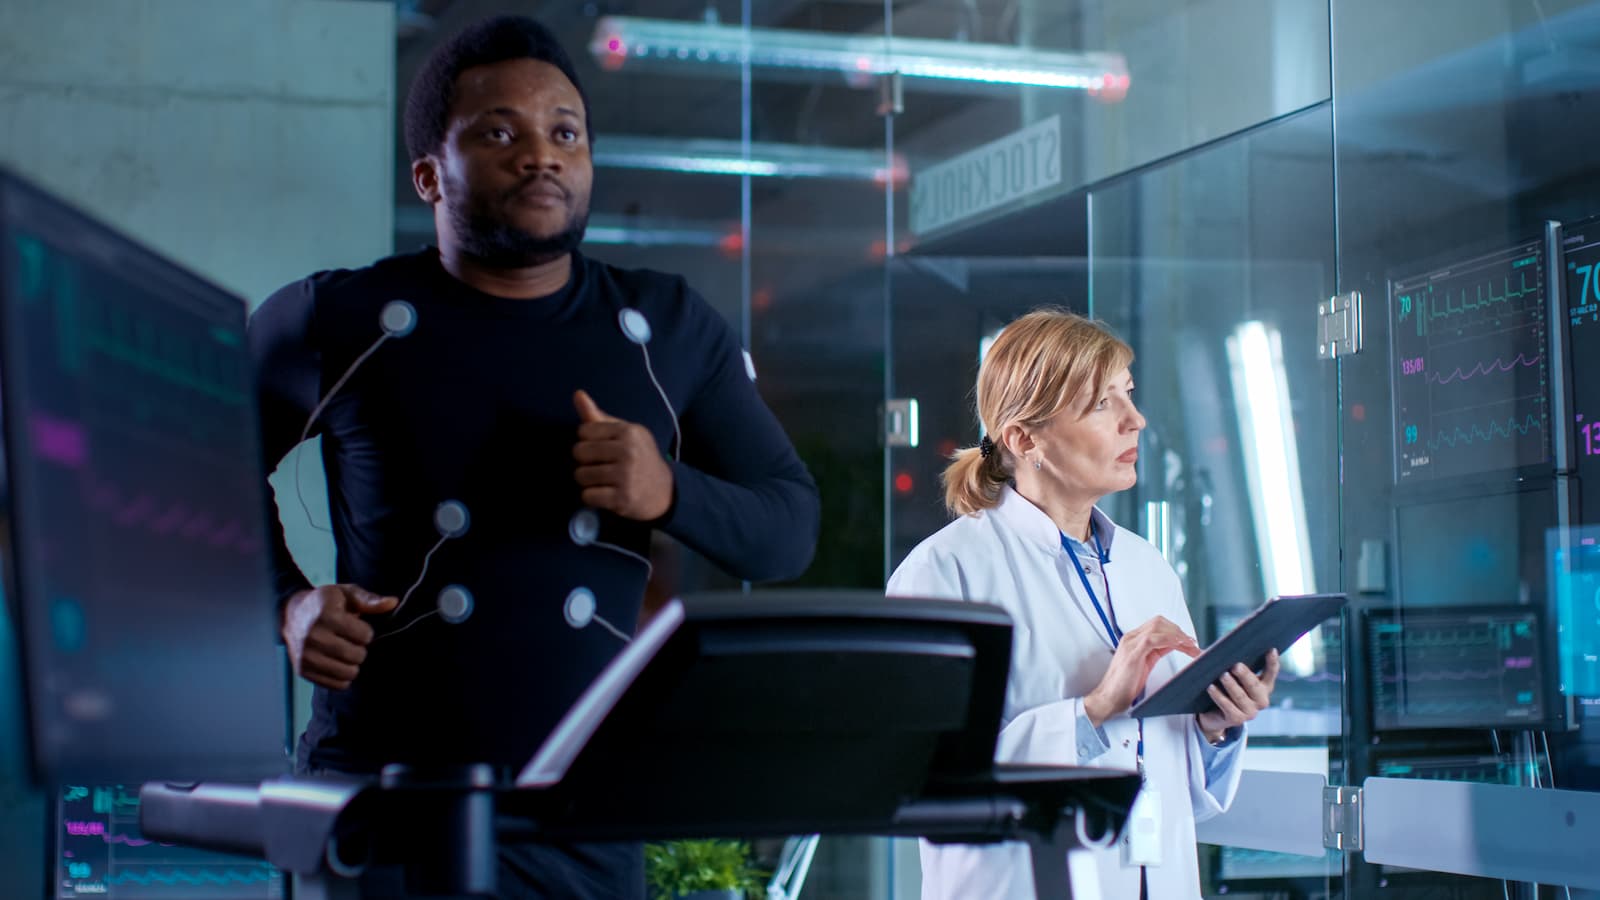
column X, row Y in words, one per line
column 475, row 405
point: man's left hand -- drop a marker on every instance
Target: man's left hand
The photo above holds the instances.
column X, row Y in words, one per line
column 1239, row 695
column 620, row 468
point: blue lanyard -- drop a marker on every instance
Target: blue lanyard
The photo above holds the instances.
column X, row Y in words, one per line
column 1110, row 624
column 1109, row 621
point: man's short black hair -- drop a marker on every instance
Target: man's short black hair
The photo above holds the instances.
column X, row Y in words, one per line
column 490, row 41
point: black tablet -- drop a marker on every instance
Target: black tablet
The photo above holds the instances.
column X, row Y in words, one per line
column 1278, row 623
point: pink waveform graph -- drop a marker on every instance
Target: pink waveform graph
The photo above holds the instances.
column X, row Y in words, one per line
column 65, row 442
column 131, row 842
column 1496, row 365
column 146, row 511
column 61, row 441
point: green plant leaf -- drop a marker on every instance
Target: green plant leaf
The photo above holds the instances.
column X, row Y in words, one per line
column 682, row 867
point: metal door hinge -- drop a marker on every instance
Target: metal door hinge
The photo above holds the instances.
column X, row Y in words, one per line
column 1341, row 818
column 900, row 422
column 891, row 95
column 1339, row 326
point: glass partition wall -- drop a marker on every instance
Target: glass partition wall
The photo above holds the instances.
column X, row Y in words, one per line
column 1190, row 208
column 870, row 191
column 1355, row 245
column 1214, row 280
column 730, row 147
column 1465, row 192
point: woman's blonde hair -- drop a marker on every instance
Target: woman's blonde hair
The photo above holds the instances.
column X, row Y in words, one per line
column 1034, row 370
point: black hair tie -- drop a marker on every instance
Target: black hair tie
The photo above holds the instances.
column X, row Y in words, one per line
column 985, row 447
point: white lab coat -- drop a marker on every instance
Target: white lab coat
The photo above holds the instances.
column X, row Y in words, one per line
column 1011, row 556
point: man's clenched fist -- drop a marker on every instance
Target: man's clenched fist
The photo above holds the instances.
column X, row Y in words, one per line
column 620, row 468
column 325, row 634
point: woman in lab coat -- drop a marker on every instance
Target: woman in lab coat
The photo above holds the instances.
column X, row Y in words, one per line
column 1099, row 615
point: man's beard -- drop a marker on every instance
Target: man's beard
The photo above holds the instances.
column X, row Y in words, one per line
column 498, row 244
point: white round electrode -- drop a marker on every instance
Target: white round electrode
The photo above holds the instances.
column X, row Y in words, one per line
column 398, row 318
column 749, row 365
column 634, row 325
column 580, row 607
column 451, row 519
column 584, row 527
column 455, row 604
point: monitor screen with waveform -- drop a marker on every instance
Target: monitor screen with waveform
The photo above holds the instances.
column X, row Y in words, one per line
column 1582, row 261
column 1575, row 554
column 1471, row 378
column 100, row 853
column 1466, row 667
column 1574, row 585
column 1477, row 768
column 133, row 523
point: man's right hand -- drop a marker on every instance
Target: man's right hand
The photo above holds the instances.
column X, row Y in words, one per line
column 325, row 635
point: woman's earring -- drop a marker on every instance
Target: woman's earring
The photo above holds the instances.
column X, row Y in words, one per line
column 1037, row 465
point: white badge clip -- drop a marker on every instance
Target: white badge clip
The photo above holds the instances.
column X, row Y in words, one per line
column 1141, row 837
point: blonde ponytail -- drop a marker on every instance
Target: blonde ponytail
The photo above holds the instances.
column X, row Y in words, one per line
column 972, row 482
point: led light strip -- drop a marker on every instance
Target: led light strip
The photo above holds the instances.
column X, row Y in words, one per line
column 619, row 40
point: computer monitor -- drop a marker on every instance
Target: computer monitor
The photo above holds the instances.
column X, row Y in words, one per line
column 132, row 509
column 1575, row 555
column 97, row 850
column 1574, row 582
column 1471, row 371
column 1457, row 667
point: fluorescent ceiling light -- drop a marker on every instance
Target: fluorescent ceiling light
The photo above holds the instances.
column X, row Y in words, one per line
column 1158, row 528
column 984, row 343
column 621, row 40
column 1272, row 469
column 636, row 236
column 720, row 157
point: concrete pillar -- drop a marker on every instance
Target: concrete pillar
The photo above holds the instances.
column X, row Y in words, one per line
column 250, row 140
